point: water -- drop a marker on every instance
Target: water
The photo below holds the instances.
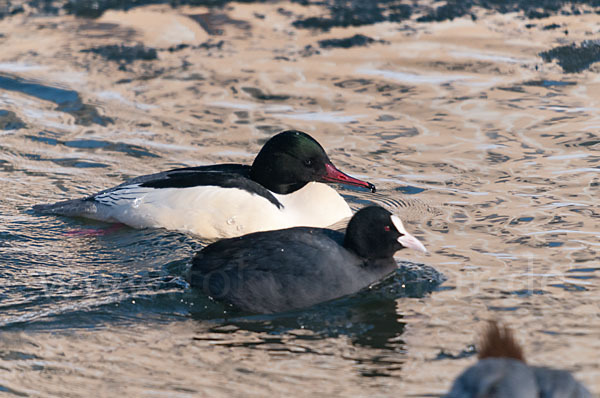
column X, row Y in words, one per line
column 489, row 154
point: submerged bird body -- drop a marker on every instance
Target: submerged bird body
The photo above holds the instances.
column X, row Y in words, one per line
column 276, row 271
column 280, row 190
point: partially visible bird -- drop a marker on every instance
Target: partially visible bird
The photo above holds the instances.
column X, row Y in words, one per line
column 501, row 372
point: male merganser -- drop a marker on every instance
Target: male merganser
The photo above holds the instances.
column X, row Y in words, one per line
column 502, row 373
column 274, row 271
column 283, row 188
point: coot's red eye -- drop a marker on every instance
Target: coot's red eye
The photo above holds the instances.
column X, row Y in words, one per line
column 387, row 228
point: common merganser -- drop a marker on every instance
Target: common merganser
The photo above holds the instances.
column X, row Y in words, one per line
column 502, row 373
column 283, row 188
column 274, row 271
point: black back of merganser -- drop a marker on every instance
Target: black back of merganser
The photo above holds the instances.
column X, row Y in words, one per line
column 283, row 188
column 281, row 270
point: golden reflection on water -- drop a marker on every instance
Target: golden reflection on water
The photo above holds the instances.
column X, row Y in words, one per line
column 465, row 110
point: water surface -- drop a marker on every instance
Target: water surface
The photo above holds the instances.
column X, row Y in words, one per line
column 489, row 153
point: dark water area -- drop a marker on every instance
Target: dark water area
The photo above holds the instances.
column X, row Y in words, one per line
column 354, row 41
column 574, row 58
column 10, row 121
column 343, row 13
column 476, row 120
column 124, row 54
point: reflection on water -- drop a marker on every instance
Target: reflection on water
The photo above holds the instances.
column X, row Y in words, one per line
column 67, row 100
column 488, row 153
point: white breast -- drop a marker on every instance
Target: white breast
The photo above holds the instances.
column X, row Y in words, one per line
column 215, row 212
column 315, row 205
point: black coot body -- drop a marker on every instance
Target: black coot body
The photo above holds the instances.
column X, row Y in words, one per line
column 287, row 269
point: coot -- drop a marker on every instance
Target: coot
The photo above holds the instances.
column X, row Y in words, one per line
column 274, row 271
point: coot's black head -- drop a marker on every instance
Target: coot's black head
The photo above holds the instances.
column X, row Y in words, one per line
column 375, row 233
column 291, row 159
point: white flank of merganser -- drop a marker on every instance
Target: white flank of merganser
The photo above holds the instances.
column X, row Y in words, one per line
column 213, row 212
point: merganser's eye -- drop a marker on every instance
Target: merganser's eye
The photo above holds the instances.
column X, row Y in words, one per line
column 308, row 162
column 387, row 228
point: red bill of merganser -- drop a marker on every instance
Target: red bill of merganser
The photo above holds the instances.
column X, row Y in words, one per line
column 283, row 188
column 289, row 269
column 501, row 372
